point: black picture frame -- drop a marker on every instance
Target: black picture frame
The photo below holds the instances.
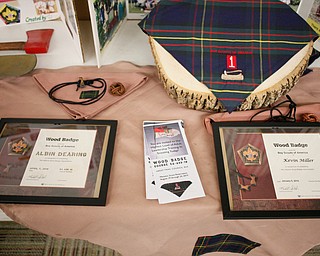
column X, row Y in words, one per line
column 262, row 203
column 13, row 164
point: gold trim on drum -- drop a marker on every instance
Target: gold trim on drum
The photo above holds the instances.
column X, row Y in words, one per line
column 181, row 85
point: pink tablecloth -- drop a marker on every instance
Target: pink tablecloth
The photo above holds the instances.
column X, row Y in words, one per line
column 129, row 223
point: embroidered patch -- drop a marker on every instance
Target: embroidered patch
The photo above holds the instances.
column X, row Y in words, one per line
column 232, row 62
column 10, row 14
column 250, row 155
column 235, row 75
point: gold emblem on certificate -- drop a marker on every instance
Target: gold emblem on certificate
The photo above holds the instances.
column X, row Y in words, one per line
column 250, row 155
column 18, row 146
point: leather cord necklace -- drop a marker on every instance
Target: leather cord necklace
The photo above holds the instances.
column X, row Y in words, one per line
column 81, row 83
column 290, row 116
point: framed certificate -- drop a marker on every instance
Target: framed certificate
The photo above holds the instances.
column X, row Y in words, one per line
column 268, row 170
column 49, row 161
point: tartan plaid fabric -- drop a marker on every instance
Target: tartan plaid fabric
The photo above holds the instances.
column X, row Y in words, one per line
column 202, row 35
column 223, row 243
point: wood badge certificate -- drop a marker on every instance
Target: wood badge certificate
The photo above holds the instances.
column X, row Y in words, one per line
column 294, row 164
column 60, row 158
column 268, row 169
column 55, row 161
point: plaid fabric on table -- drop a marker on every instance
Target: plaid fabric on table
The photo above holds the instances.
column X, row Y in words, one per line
column 223, row 243
column 208, row 37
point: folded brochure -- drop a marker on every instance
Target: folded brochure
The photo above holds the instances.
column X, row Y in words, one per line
column 170, row 171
